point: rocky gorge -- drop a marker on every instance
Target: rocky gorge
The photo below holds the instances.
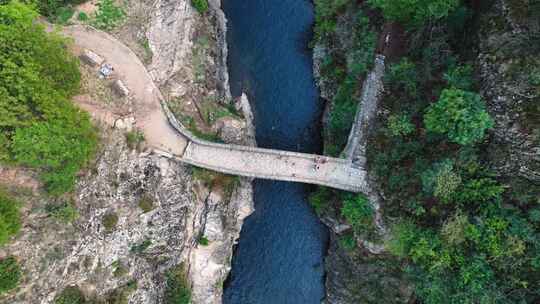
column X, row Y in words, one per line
column 141, row 215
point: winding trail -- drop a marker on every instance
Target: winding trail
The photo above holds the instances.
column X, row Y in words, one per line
column 170, row 138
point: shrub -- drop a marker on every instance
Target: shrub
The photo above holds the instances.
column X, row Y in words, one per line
column 460, row 77
column 70, row 295
column 441, row 180
column 64, row 14
column 459, row 114
column 358, row 212
column 60, row 147
column 10, row 274
column 121, row 294
column 403, row 75
column 141, row 247
column 415, row 12
column 320, row 198
column 454, row 229
column 119, row 270
column 109, row 221
column 134, row 139
column 66, row 212
column 203, row 241
column 400, row 125
column 402, row 237
column 200, row 5
column 325, row 14
column 178, row 290
column 348, row 242
column 10, row 219
column 108, row 15
column 82, row 16
column 146, row 203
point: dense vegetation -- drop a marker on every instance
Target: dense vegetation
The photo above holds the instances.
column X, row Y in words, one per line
column 200, row 5
column 39, row 125
column 10, row 274
column 73, row 295
column 178, row 290
column 108, row 15
column 347, row 73
column 10, row 221
column 463, row 234
column 415, row 12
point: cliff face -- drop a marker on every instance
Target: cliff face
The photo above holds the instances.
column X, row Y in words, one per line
column 139, row 214
column 509, row 70
column 189, row 62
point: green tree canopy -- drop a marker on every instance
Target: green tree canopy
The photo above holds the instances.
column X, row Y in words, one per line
column 10, row 221
column 39, row 125
column 10, row 274
column 415, row 12
column 461, row 115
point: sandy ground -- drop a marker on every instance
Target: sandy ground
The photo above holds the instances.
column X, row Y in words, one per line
column 149, row 117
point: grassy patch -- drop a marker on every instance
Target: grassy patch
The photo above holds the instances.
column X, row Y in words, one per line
column 191, row 125
column 70, row 295
column 204, row 241
column 108, row 15
column 121, row 294
column 213, row 179
column 64, row 212
column 82, row 16
column 109, row 221
column 200, row 5
column 148, row 54
column 10, row 274
column 119, row 269
column 140, row 247
column 146, row 203
column 64, row 14
column 347, row 242
column 211, row 111
column 10, row 218
column 178, row 290
column 134, row 139
column 198, row 60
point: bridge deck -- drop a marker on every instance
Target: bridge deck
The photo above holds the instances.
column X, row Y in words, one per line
column 168, row 137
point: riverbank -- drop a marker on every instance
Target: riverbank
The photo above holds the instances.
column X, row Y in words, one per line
column 349, row 69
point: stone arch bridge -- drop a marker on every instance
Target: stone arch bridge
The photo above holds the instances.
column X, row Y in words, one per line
column 170, row 138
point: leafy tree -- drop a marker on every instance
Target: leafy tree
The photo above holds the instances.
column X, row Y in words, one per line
column 400, row 125
column 358, row 212
column 10, row 221
column 460, row 76
column 325, row 12
column 441, row 181
column 461, row 115
column 415, row 12
column 10, row 274
column 403, row 75
column 39, row 126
